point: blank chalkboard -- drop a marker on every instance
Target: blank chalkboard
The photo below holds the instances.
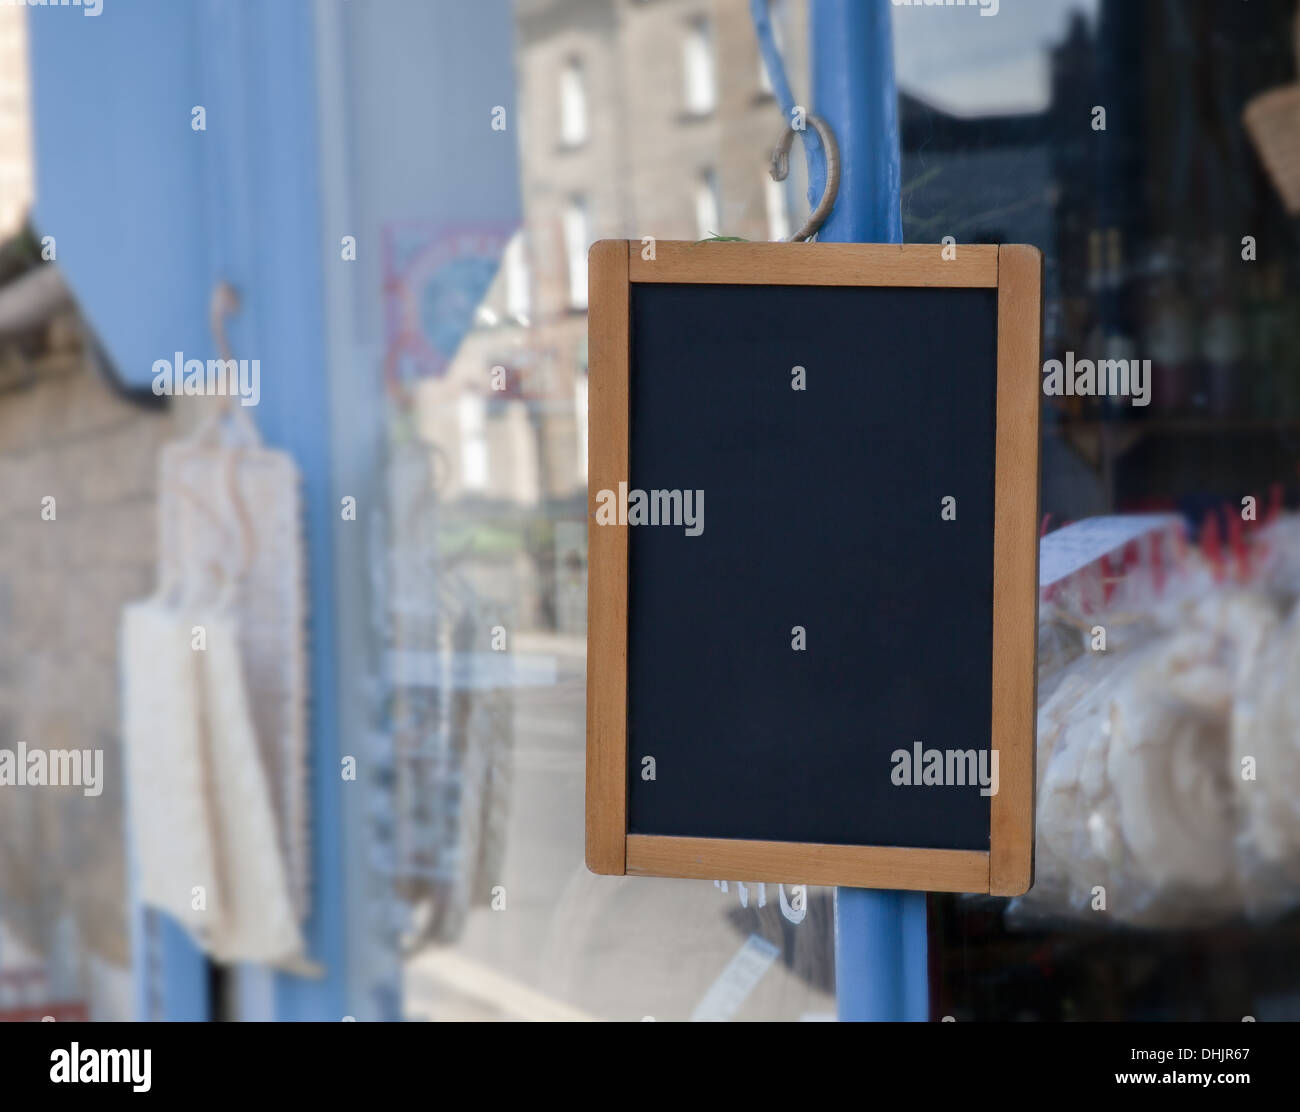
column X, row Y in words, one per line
column 813, row 484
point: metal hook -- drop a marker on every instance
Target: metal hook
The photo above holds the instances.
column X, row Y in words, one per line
column 781, row 170
column 225, row 303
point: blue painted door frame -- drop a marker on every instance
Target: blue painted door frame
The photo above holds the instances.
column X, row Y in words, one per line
column 880, row 937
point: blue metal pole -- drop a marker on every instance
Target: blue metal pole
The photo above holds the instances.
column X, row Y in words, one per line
column 880, row 937
column 916, row 965
column 853, row 90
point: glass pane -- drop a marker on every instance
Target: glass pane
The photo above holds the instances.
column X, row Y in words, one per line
column 1117, row 137
column 479, row 602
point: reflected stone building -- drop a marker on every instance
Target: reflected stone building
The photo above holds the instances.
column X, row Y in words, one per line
column 635, row 118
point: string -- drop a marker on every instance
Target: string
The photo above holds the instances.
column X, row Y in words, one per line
column 814, row 151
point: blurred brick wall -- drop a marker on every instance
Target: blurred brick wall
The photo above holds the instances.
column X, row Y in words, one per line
column 62, row 587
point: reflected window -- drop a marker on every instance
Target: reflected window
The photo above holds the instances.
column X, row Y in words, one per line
column 580, row 395
column 707, row 216
column 518, row 298
column 573, row 104
column 473, row 442
column 697, row 58
column 576, row 240
column 777, row 13
column 778, row 208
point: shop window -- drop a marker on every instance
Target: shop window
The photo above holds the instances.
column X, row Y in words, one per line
column 1140, row 215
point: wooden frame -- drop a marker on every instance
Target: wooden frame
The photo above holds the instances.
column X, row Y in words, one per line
column 1015, row 271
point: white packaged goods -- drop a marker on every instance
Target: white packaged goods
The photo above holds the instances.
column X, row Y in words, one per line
column 1168, row 731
